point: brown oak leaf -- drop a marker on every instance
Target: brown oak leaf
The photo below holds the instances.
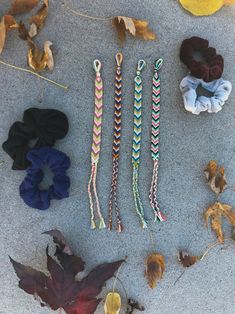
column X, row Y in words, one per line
column 215, row 213
column 37, row 21
column 60, row 290
column 216, row 177
column 155, row 267
column 22, row 6
column 186, row 259
column 137, row 28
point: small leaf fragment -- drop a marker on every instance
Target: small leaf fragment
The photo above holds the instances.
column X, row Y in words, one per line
column 49, row 55
column 2, row 34
column 215, row 212
column 216, row 177
column 155, row 267
column 23, row 32
column 186, row 259
column 38, row 21
column 113, row 303
column 134, row 305
column 22, row 6
column 137, row 28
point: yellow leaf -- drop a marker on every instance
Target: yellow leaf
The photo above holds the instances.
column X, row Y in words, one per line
column 202, row 7
column 215, row 213
column 137, row 28
column 22, row 6
column 155, row 267
column 38, row 21
column 112, row 303
column 216, row 177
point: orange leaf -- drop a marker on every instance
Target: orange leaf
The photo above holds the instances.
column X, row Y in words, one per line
column 215, row 213
column 186, row 259
column 22, row 6
column 137, row 28
column 10, row 22
column 155, row 267
column 216, row 177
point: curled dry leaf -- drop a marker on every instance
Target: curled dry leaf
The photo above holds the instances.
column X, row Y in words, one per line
column 215, row 213
column 186, row 259
column 38, row 60
column 37, row 21
column 137, row 28
column 113, row 303
column 155, row 267
column 216, row 177
column 134, row 305
column 204, row 7
column 7, row 23
column 22, row 6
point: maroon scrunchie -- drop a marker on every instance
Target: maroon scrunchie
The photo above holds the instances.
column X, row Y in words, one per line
column 210, row 70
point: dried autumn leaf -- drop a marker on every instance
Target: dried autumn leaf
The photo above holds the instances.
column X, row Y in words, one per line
column 137, row 28
column 38, row 21
column 22, row 6
column 186, row 259
column 215, row 213
column 134, row 305
column 204, row 7
column 155, row 267
column 23, row 32
column 216, row 177
column 60, row 290
column 38, row 60
column 7, row 23
column 113, row 303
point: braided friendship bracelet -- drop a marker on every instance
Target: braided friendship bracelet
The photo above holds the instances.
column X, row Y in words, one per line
column 116, row 145
column 95, row 150
column 137, row 141
column 156, row 98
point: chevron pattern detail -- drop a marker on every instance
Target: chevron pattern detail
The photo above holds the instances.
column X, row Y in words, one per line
column 155, row 116
column 97, row 124
column 116, row 145
column 137, row 120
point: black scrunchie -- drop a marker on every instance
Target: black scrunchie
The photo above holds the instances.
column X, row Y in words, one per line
column 43, row 125
column 209, row 71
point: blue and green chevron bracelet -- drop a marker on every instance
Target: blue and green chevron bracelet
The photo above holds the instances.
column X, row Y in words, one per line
column 137, row 141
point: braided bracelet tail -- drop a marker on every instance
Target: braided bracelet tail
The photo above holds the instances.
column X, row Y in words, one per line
column 95, row 151
column 137, row 141
column 156, row 98
column 116, row 145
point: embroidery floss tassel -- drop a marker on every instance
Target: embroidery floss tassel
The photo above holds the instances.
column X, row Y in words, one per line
column 116, row 145
column 95, row 150
column 137, row 141
column 156, row 99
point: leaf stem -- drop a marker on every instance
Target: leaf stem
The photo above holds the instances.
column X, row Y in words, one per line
column 87, row 16
column 211, row 247
column 34, row 73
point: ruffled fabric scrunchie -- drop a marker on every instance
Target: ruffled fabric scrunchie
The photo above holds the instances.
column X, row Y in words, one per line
column 58, row 162
column 45, row 126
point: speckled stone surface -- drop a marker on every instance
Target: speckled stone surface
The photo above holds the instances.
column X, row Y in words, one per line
column 188, row 142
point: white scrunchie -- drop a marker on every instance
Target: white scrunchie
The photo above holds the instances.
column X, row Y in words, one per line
column 196, row 104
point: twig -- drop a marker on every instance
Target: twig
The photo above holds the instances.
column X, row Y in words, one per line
column 88, row 16
column 179, row 277
column 34, row 73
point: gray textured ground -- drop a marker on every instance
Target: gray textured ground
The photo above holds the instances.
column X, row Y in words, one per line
column 187, row 143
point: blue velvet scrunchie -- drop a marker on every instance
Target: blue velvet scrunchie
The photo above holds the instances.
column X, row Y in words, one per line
column 58, row 162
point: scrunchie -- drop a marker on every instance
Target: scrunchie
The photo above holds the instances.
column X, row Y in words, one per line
column 43, row 125
column 210, row 70
column 197, row 104
column 58, row 162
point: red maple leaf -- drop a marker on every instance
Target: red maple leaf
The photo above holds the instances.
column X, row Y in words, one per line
column 60, row 289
